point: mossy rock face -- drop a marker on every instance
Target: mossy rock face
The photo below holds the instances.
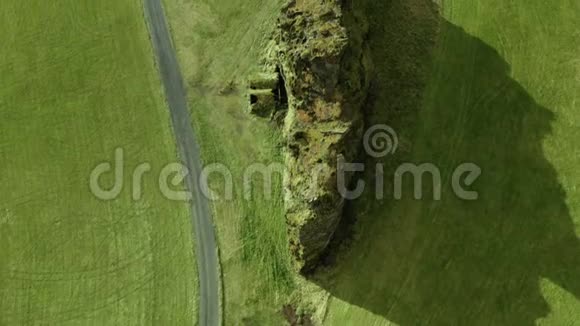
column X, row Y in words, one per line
column 326, row 70
column 262, row 102
column 263, row 81
column 267, row 94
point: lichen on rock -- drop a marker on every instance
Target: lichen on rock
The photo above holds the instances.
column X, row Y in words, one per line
column 322, row 57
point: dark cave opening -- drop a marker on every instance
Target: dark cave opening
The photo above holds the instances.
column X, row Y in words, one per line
column 280, row 93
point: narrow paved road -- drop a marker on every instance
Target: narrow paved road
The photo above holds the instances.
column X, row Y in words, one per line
column 206, row 246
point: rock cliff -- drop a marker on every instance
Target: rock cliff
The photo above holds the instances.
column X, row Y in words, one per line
column 322, row 57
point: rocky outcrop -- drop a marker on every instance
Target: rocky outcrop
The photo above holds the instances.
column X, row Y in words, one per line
column 322, row 58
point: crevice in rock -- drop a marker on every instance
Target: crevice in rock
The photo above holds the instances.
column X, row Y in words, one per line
column 280, row 92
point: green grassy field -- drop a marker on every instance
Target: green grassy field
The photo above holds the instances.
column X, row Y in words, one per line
column 77, row 81
column 499, row 89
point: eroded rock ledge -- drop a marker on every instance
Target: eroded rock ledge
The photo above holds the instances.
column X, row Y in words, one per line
column 323, row 60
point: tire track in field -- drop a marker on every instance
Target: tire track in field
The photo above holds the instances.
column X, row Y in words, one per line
column 206, row 245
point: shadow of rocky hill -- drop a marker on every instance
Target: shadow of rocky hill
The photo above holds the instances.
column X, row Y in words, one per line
column 454, row 262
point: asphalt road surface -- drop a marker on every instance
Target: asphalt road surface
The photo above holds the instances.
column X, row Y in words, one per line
column 206, row 246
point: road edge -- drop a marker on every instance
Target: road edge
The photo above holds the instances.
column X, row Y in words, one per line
column 207, row 251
